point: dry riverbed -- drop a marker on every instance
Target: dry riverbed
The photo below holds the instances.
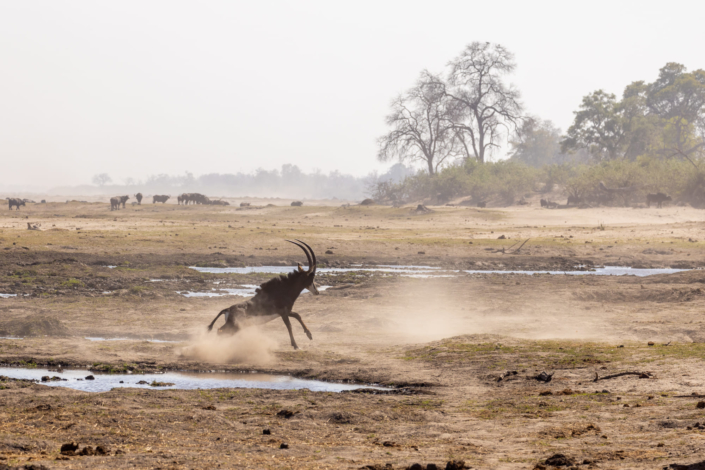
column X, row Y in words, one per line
column 460, row 351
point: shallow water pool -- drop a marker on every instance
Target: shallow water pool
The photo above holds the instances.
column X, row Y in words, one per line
column 430, row 271
column 76, row 379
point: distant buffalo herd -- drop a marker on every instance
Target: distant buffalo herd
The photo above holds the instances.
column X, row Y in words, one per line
column 185, row 198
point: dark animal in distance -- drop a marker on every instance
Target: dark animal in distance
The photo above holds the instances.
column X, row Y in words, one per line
column 482, row 204
column 297, row 203
column 138, row 196
column 574, row 200
column 275, row 298
column 15, row 202
column 114, row 203
column 160, row 198
column 658, row 199
column 123, row 200
column 219, row 202
column 548, row 204
column 244, row 204
column 194, row 198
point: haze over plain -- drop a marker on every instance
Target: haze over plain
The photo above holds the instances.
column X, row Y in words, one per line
column 134, row 89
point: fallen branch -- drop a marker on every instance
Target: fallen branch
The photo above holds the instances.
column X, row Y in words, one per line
column 522, row 246
column 642, row 375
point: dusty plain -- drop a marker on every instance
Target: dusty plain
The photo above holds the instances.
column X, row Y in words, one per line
column 461, row 352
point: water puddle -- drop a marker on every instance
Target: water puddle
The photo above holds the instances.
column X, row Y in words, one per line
column 431, row 271
column 605, row 271
column 247, row 291
column 76, row 379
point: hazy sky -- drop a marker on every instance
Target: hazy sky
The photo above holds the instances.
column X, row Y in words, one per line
column 134, row 88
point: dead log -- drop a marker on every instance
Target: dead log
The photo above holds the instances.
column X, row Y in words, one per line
column 642, row 375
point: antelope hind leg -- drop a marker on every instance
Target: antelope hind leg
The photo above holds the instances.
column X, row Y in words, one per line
column 298, row 317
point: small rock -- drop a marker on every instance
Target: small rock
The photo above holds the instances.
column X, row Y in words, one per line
column 69, row 449
column 142, row 382
column 421, row 252
column 544, row 377
column 90, row 377
column 284, row 446
column 329, row 252
column 560, row 460
column 660, row 444
column 266, row 432
column 455, row 465
column 88, row 450
column 501, row 237
column 45, row 378
column 209, row 408
column 650, row 343
column 545, row 393
column 100, row 450
column 700, row 405
column 285, row 414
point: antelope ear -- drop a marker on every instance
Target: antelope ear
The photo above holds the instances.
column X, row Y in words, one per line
column 300, row 268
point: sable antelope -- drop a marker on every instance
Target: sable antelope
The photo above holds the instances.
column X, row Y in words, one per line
column 275, row 298
column 138, row 196
column 15, row 202
column 123, row 200
column 658, row 199
column 114, row 203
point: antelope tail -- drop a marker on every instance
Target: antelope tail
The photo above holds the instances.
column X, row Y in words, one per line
column 222, row 312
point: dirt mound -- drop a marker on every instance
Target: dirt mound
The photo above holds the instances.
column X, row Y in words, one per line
column 34, row 325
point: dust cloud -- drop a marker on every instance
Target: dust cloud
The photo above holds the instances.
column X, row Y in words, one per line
column 431, row 311
column 248, row 346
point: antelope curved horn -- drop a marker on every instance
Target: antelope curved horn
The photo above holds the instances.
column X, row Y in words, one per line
column 315, row 264
column 308, row 257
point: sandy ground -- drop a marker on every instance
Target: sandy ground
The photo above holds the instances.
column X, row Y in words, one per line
column 462, row 352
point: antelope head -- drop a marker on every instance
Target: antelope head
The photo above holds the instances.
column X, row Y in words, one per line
column 310, row 274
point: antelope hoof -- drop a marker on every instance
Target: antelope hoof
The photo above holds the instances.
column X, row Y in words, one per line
column 310, row 336
column 295, row 347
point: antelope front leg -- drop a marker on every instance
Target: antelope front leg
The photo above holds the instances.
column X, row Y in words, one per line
column 285, row 317
column 298, row 317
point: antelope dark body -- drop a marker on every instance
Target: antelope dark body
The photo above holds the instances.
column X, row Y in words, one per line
column 273, row 299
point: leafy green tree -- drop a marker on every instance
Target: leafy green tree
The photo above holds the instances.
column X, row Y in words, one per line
column 664, row 118
column 597, row 127
column 537, row 143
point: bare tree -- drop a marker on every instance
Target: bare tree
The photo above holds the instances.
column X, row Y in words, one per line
column 101, row 179
column 483, row 107
column 421, row 125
